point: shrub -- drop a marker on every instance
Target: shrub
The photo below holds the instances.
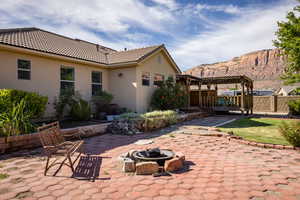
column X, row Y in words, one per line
column 160, row 118
column 169, row 96
column 294, row 107
column 35, row 103
column 80, row 110
column 291, row 132
column 101, row 100
column 62, row 103
column 130, row 116
column 16, row 120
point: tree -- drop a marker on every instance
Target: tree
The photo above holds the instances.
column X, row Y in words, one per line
column 288, row 40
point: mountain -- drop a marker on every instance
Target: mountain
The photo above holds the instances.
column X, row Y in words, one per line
column 264, row 67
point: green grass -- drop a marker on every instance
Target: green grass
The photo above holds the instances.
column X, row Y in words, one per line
column 3, row 176
column 263, row 130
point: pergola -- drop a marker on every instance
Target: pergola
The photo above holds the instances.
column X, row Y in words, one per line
column 208, row 99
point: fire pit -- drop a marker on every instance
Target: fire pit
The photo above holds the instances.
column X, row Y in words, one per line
column 156, row 155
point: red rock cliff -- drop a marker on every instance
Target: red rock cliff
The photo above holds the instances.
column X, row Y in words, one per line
column 264, row 67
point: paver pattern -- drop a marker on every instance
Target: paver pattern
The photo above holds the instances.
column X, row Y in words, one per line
column 215, row 168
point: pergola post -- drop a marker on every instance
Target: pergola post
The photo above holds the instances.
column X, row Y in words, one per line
column 188, row 92
column 200, row 95
column 247, row 98
column 215, row 97
column 251, row 88
column 243, row 97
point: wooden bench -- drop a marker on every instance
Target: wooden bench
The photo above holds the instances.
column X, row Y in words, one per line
column 55, row 145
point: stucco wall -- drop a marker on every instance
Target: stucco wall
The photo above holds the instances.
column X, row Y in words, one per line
column 45, row 76
column 122, row 84
column 158, row 63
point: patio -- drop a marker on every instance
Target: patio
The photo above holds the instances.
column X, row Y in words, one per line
column 215, row 169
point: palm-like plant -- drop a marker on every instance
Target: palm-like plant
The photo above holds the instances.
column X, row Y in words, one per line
column 16, row 121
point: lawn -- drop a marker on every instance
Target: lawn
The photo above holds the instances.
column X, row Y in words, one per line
column 257, row 129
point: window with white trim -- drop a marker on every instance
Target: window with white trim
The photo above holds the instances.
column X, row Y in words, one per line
column 146, row 78
column 96, row 83
column 24, row 69
column 67, row 80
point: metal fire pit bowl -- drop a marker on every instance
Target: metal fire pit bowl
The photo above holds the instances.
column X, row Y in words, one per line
column 165, row 155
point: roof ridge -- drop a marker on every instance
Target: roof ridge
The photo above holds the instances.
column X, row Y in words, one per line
column 8, row 30
column 138, row 48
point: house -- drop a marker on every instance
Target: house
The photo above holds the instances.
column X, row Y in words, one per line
column 289, row 90
column 36, row 60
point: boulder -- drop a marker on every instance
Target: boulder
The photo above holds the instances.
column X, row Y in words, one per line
column 128, row 165
column 146, row 168
column 180, row 156
column 173, row 164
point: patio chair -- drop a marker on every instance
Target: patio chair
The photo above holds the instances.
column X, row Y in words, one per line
column 54, row 144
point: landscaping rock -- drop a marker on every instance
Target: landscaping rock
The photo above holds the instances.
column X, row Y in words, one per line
column 128, row 165
column 173, row 164
column 180, row 156
column 143, row 142
column 146, row 168
column 123, row 127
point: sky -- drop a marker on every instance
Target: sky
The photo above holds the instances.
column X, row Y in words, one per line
column 194, row 31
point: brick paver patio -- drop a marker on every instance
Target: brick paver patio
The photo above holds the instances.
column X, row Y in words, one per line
column 215, row 169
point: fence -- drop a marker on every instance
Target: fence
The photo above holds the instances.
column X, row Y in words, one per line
column 272, row 103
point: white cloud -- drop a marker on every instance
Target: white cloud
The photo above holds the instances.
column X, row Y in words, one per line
column 109, row 16
column 171, row 4
column 82, row 19
column 230, row 9
column 252, row 30
column 133, row 24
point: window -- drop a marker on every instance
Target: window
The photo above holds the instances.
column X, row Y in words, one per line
column 158, row 79
column 146, row 78
column 67, row 80
column 24, row 67
column 96, row 83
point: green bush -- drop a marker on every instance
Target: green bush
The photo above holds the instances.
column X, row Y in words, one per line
column 130, row 116
column 16, row 120
column 169, row 96
column 63, row 102
column 151, row 120
column 35, row 103
column 80, row 110
column 160, row 118
column 291, row 132
column 294, row 107
column 102, row 101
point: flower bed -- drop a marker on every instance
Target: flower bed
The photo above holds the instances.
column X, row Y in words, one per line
column 131, row 123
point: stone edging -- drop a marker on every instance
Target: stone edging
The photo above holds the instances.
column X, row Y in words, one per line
column 263, row 145
column 212, row 131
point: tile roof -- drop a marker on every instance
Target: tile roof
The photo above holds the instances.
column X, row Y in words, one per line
column 131, row 55
column 44, row 41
